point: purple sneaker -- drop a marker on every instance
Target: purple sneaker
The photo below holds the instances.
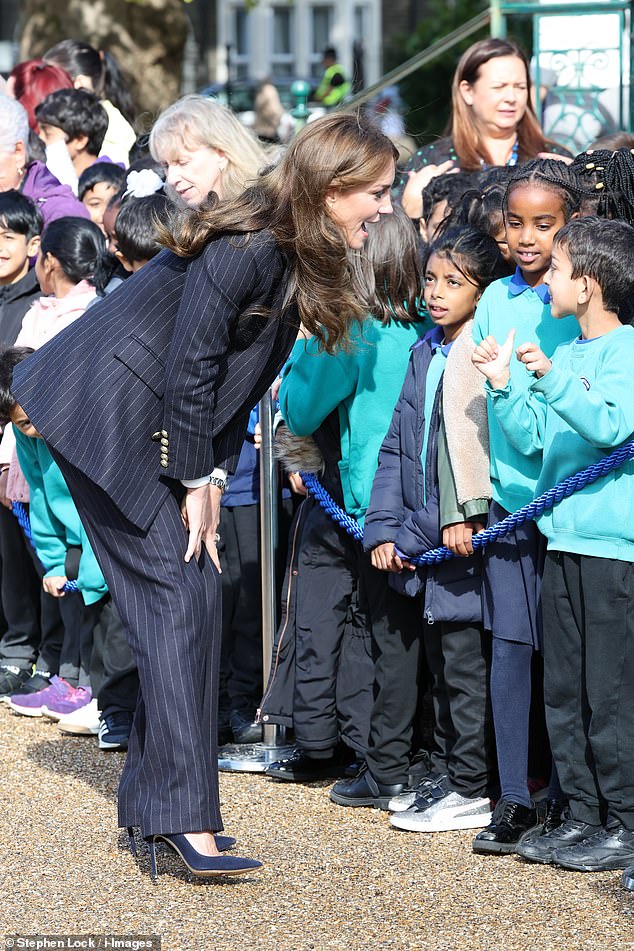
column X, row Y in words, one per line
column 32, row 704
column 60, row 706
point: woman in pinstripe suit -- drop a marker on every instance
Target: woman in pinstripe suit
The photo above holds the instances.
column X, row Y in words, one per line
column 144, row 403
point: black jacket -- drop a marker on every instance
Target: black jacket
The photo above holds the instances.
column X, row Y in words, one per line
column 15, row 300
column 156, row 382
column 404, row 505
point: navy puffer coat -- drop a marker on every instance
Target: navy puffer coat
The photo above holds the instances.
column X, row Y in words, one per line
column 404, row 506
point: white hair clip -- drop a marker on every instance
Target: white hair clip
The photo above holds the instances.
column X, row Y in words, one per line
column 143, row 183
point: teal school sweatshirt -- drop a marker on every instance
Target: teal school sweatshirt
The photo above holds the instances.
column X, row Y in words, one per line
column 578, row 413
column 55, row 522
column 363, row 384
column 505, row 305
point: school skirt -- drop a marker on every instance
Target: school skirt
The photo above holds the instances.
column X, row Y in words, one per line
column 511, row 582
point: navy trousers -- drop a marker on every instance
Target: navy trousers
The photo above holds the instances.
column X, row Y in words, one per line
column 171, row 612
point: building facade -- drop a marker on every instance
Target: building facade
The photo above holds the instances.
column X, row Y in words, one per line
column 282, row 38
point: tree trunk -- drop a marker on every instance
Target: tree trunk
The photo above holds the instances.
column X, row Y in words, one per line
column 147, row 37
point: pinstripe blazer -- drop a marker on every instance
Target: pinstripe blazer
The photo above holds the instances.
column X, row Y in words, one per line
column 156, row 381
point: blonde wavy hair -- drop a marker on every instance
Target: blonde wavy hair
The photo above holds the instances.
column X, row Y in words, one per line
column 193, row 122
column 340, row 151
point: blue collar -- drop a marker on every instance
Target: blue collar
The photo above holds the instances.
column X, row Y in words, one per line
column 518, row 285
column 443, row 347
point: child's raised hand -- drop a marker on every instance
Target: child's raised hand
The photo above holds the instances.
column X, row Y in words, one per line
column 493, row 360
column 412, row 197
column 534, row 359
column 55, row 586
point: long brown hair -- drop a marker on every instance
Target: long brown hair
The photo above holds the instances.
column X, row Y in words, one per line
column 337, row 151
column 470, row 150
column 390, row 268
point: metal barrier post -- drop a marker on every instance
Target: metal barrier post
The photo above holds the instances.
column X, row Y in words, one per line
column 255, row 757
column 269, row 536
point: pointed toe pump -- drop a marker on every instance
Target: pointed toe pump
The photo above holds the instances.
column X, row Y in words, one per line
column 205, row 866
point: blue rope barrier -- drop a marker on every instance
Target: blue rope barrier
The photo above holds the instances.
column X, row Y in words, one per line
column 532, row 510
column 20, row 512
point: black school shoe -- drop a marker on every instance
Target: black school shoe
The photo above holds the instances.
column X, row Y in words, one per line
column 245, row 731
column 12, row 679
column 541, row 848
column 364, row 790
column 627, row 880
column 301, row 768
column 509, row 822
column 609, row 848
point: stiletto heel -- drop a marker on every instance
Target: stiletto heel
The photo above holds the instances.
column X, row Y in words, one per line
column 152, row 845
column 224, row 842
column 205, row 866
column 131, row 840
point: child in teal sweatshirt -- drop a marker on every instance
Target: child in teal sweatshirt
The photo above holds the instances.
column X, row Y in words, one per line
column 577, row 408
column 61, row 545
column 541, row 197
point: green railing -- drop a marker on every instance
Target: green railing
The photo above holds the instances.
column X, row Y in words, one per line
column 591, row 94
column 420, row 59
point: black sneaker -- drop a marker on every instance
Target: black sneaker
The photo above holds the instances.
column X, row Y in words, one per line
column 540, row 848
column 509, row 823
column 35, row 683
column 364, row 790
column 609, row 848
column 299, row 767
column 244, row 729
column 556, row 812
column 12, row 680
column 628, row 879
column 114, row 730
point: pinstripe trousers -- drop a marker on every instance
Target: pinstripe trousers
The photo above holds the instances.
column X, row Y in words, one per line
column 172, row 615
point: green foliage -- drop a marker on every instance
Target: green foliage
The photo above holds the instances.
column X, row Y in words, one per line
column 426, row 93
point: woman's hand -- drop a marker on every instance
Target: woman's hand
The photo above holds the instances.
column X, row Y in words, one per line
column 201, row 516
column 55, row 586
column 493, row 360
column 457, row 537
column 534, row 359
column 412, row 197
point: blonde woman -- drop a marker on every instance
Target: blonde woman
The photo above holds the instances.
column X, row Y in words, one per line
column 204, row 149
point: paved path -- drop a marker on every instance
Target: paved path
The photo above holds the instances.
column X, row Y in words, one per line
column 334, row 878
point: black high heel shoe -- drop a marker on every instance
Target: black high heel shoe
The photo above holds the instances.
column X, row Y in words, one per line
column 205, row 866
column 223, row 842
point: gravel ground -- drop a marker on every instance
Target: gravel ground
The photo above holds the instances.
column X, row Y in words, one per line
column 334, row 878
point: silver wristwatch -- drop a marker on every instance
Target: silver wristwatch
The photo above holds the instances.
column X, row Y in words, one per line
column 219, row 482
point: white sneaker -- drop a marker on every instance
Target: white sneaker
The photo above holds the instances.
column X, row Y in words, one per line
column 84, row 721
column 426, row 788
column 451, row 812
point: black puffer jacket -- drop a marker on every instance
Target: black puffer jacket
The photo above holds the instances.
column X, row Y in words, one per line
column 404, row 506
column 15, row 300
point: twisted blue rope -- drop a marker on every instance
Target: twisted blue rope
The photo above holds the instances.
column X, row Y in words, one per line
column 22, row 516
column 532, row 510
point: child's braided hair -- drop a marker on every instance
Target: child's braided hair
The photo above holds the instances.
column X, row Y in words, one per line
column 608, row 179
column 557, row 176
